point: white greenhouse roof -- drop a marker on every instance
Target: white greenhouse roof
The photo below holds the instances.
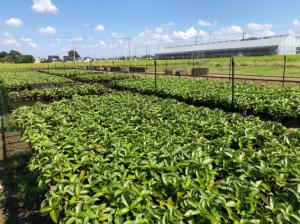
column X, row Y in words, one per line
column 225, row 45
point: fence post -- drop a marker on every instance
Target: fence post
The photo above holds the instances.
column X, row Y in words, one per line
column 284, row 71
column 91, row 65
column 146, row 71
column 229, row 73
column 114, row 83
column 193, row 65
column 166, row 66
column 232, row 84
column 155, row 76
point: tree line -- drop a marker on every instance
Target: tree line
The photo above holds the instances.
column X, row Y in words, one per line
column 15, row 57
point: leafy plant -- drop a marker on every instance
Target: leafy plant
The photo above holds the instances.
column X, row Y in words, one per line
column 60, row 92
column 125, row 158
column 22, row 80
column 275, row 103
column 90, row 76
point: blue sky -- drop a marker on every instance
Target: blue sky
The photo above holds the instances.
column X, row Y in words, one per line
column 43, row 27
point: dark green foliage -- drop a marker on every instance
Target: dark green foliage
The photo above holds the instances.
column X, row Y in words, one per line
column 271, row 102
column 73, row 55
column 15, row 57
column 87, row 89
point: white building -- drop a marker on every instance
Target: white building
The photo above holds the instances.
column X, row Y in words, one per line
column 275, row 45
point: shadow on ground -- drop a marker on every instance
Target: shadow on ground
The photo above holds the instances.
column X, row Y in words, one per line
column 21, row 198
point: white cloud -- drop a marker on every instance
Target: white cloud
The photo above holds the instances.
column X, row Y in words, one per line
column 44, row 6
column 76, row 39
column 296, row 23
column 185, row 35
column 202, row 22
column 14, row 22
column 153, row 36
column 33, row 45
column 102, row 43
column 228, row 33
column 166, row 38
column 49, row 30
column 166, row 26
column 258, row 30
column 258, row 27
column 9, row 40
column 26, row 39
column 291, row 32
column 232, row 30
column 99, row 28
column 117, row 35
column 159, row 30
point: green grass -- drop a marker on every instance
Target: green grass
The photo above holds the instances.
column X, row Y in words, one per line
column 263, row 65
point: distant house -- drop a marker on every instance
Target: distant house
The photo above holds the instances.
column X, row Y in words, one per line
column 66, row 58
column 52, row 58
column 87, row 59
column 38, row 60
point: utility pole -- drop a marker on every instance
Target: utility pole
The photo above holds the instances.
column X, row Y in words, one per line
column 129, row 48
column 134, row 50
column 210, row 33
column 232, row 84
column 243, row 32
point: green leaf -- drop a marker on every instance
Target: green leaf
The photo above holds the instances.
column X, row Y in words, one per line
column 122, row 211
column 54, row 216
column 71, row 220
column 230, row 204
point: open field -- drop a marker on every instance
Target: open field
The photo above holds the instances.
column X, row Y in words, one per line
column 262, row 66
column 108, row 155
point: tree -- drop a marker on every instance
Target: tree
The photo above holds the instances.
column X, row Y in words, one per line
column 15, row 57
column 3, row 54
column 71, row 55
column 27, row 59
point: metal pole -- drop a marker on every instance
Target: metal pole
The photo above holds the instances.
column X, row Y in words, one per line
column 146, row 59
column 193, row 65
column 73, row 52
column 129, row 48
column 114, row 83
column 232, row 86
column 166, row 66
column 193, row 61
column 91, row 65
column 284, row 71
column 155, row 76
column 229, row 73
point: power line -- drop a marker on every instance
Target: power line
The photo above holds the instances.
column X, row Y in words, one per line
column 64, row 37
